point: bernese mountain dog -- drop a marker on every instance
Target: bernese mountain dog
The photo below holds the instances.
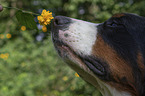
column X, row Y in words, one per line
column 109, row 55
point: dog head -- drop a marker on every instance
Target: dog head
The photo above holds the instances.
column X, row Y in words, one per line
column 109, row 55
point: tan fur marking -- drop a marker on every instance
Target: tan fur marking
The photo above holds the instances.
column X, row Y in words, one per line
column 119, row 68
column 140, row 63
column 118, row 15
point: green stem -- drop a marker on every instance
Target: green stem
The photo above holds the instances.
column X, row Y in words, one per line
column 11, row 8
column 21, row 10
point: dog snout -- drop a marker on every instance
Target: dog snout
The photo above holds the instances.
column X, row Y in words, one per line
column 60, row 21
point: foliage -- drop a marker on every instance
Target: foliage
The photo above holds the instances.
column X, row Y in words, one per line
column 26, row 19
column 29, row 65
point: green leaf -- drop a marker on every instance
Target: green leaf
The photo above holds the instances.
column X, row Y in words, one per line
column 26, row 19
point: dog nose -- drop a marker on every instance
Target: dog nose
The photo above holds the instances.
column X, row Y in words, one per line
column 61, row 21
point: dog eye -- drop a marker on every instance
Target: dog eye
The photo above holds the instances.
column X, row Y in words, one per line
column 113, row 24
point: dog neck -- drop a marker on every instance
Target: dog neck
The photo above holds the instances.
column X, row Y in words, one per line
column 104, row 88
column 107, row 90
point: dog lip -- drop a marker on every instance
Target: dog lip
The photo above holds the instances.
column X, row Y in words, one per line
column 63, row 49
column 58, row 42
column 61, row 44
column 95, row 69
column 96, row 65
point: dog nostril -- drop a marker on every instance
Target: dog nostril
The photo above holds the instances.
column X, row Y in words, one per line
column 56, row 22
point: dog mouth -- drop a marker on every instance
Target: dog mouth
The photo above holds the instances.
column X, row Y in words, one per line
column 63, row 49
column 90, row 62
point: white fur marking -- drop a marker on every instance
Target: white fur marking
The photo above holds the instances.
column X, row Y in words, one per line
column 81, row 36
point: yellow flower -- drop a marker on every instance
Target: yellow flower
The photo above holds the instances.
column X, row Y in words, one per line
column 77, row 75
column 65, row 78
column 23, row 28
column 8, row 35
column 1, row 55
column 45, row 17
column 44, row 28
column 7, row 54
column 1, row 36
column 4, row 56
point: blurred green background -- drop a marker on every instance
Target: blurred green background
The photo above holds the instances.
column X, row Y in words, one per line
column 29, row 65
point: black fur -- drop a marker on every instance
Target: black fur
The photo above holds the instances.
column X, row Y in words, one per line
column 126, row 35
